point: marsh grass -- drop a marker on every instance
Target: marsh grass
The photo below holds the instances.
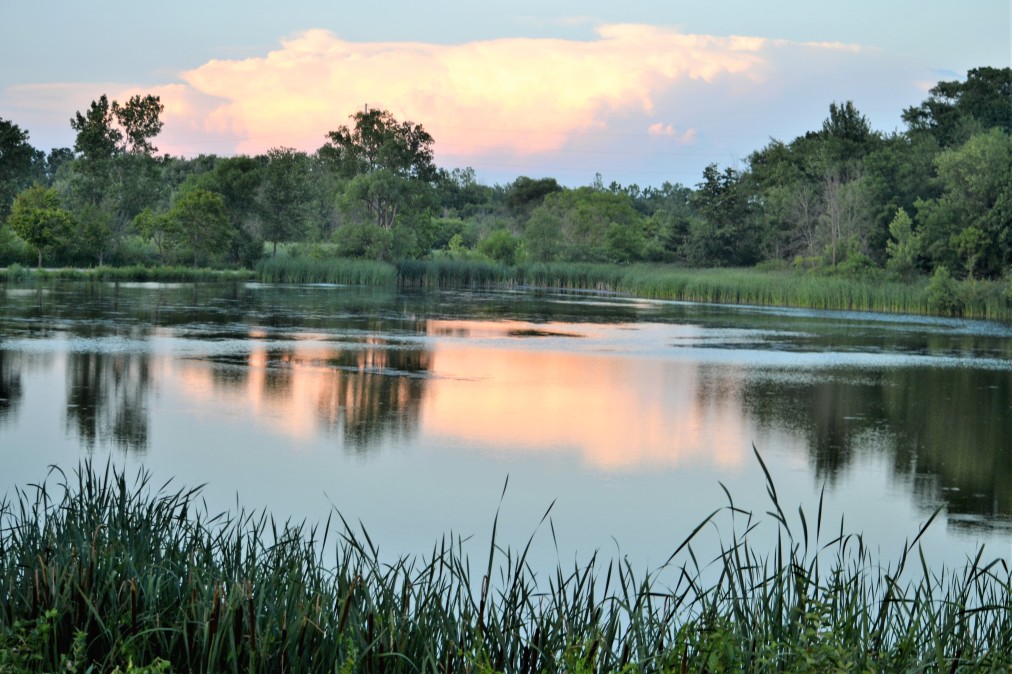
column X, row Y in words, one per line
column 101, row 571
column 768, row 287
column 135, row 273
column 326, row 270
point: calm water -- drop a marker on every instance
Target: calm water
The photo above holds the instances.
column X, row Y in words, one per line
column 408, row 412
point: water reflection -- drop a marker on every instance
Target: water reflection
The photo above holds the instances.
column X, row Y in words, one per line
column 615, row 389
column 497, row 388
column 10, row 384
column 107, row 398
column 947, row 430
column 363, row 394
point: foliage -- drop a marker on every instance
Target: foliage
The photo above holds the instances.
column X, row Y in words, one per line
column 389, row 165
column 198, row 221
column 500, row 246
column 139, row 118
column 38, row 218
column 727, row 235
column 379, row 142
column 904, row 246
column 102, row 571
column 284, row 197
column 942, row 297
column 97, row 136
column 18, row 162
column 955, row 110
column 830, row 197
column 364, row 239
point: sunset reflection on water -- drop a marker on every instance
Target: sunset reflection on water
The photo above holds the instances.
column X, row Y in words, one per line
column 488, row 385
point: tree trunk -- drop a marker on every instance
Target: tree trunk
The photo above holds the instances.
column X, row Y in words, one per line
column 40, row 258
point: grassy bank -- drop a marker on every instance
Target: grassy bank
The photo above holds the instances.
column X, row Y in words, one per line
column 934, row 296
column 101, row 571
column 136, row 273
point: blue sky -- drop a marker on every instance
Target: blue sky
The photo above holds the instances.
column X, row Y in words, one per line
column 637, row 91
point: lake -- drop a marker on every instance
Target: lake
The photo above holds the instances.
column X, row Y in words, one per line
column 419, row 414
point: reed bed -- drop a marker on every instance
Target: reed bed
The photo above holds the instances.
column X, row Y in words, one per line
column 971, row 298
column 134, row 273
column 101, row 571
column 326, row 270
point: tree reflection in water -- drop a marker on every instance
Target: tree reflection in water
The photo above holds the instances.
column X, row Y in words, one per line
column 10, row 384
column 107, row 398
column 947, row 429
column 363, row 393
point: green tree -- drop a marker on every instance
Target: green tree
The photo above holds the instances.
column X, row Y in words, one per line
column 238, row 180
column 157, row 228
column 525, row 194
column 543, row 235
column 284, row 196
column 389, row 163
column 97, row 136
column 199, row 221
column 500, row 246
column 17, row 164
column 364, row 239
column 139, row 118
column 904, row 246
column 378, row 141
column 977, row 193
column 727, row 234
column 93, row 232
column 956, row 110
column 38, row 218
column 846, row 134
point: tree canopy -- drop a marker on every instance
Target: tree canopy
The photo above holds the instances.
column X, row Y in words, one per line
column 841, row 197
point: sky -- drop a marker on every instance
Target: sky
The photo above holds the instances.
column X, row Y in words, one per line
column 637, row 91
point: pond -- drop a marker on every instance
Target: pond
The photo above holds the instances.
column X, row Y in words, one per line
column 423, row 414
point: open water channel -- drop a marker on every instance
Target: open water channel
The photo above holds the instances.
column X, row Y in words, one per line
column 408, row 411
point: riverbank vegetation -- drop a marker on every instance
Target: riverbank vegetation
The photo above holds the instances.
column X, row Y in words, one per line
column 103, row 572
column 855, row 212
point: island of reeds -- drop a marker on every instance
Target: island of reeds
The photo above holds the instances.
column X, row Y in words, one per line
column 103, row 572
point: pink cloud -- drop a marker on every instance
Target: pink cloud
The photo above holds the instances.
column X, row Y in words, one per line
column 648, row 101
column 476, row 97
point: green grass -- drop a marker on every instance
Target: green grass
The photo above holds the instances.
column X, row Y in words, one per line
column 103, row 572
column 326, row 270
column 161, row 274
column 969, row 298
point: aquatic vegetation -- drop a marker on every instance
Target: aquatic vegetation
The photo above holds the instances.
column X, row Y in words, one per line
column 107, row 572
column 772, row 287
column 134, row 273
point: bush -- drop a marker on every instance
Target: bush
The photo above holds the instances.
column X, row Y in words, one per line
column 363, row 239
column 500, row 246
column 942, row 296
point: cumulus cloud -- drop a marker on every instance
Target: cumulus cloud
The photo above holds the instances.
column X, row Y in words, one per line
column 522, row 95
column 632, row 99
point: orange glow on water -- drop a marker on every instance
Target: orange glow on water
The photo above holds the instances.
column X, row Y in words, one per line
column 500, row 386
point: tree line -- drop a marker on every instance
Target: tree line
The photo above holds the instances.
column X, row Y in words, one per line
column 844, row 197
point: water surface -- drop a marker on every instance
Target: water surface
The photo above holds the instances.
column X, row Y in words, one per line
column 409, row 411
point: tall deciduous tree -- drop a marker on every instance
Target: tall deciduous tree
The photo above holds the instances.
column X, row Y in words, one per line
column 199, row 221
column 139, row 118
column 97, row 135
column 38, row 218
column 284, row 198
column 956, row 110
column 17, row 160
column 390, row 164
column 728, row 233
